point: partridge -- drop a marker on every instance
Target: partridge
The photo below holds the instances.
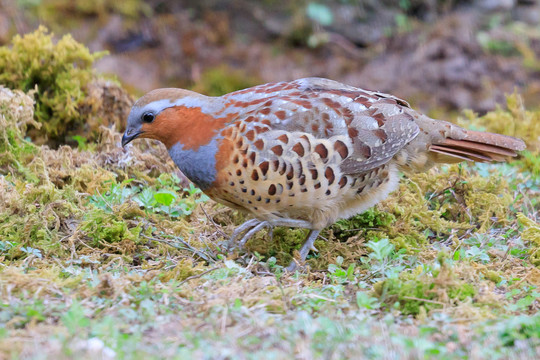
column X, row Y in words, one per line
column 303, row 153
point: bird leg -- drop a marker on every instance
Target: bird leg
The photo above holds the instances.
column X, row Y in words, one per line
column 308, row 245
column 291, row 223
column 249, row 228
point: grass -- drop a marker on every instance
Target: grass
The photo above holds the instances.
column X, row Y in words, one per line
column 107, row 253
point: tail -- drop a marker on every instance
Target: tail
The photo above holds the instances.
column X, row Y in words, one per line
column 449, row 143
column 476, row 146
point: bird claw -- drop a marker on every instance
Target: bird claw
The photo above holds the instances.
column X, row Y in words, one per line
column 304, row 250
column 245, row 232
column 261, row 225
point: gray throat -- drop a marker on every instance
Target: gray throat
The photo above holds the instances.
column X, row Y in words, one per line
column 198, row 165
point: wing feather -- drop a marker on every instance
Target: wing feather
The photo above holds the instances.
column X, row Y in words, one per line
column 375, row 124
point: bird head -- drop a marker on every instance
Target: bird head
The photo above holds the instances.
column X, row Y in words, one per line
column 164, row 115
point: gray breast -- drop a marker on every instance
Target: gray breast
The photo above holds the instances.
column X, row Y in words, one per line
column 198, row 165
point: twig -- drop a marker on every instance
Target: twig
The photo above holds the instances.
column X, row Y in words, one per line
column 224, row 319
column 198, row 275
column 218, row 228
column 105, row 201
column 315, row 296
column 371, row 275
column 188, row 247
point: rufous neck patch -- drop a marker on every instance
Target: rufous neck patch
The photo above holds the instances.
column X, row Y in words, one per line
column 188, row 126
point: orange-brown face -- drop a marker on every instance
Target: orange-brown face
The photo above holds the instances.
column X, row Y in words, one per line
column 172, row 116
column 178, row 124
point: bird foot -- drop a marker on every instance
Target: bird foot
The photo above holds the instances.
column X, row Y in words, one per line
column 246, row 231
column 304, row 250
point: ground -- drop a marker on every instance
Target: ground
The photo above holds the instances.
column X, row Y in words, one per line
column 110, row 253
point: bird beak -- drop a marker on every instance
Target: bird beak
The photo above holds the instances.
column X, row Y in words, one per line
column 129, row 137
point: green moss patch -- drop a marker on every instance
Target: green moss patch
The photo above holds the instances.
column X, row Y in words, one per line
column 422, row 291
column 69, row 95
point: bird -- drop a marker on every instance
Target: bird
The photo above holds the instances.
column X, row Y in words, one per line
column 302, row 153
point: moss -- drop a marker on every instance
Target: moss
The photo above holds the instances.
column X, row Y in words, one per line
column 411, row 242
column 529, row 161
column 513, row 120
column 455, row 197
column 61, row 73
column 33, row 216
column 371, row 218
column 70, row 12
column 531, row 234
column 184, row 269
column 100, row 227
column 493, row 276
column 417, row 291
column 282, row 245
column 16, row 113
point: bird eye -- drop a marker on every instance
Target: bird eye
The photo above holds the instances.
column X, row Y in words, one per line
column 148, row 117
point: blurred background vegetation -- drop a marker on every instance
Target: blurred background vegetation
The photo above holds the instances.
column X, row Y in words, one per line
column 443, row 55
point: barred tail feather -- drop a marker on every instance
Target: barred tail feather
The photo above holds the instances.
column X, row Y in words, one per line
column 477, row 146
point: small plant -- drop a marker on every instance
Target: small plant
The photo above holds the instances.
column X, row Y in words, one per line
column 116, row 195
column 167, row 200
column 364, row 300
column 163, row 199
column 338, row 275
column 384, row 261
column 496, row 46
column 320, row 13
column 82, row 142
column 75, row 319
column 31, row 251
column 519, row 328
column 423, row 289
column 474, row 248
column 524, row 297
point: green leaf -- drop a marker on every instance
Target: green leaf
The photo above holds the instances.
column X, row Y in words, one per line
column 81, row 142
column 320, row 13
column 146, row 198
column 363, row 300
column 31, row 251
column 382, row 249
column 165, row 197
